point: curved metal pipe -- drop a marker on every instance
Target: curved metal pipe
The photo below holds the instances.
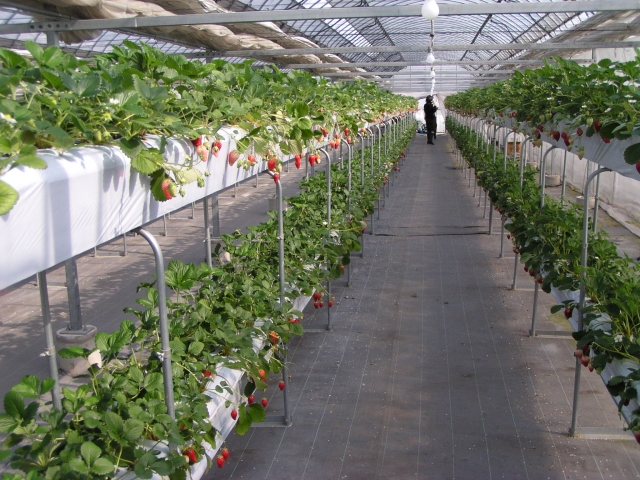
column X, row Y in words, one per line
column 165, row 352
column 543, row 167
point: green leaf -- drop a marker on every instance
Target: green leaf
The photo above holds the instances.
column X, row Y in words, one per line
column 256, row 412
column 301, row 109
column 133, row 429
column 8, row 197
column 90, row 452
column 114, row 422
column 28, row 386
column 132, row 147
column 147, row 161
column 153, row 381
column 14, row 404
column 136, row 374
column 78, row 465
column 35, row 50
column 244, row 421
column 632, row 154
column 74, row 352
column 195, row 348
column 7, row 423
column 47, row 385
column 102, row 466
column 32, row 162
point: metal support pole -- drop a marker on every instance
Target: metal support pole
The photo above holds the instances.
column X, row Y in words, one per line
column 73, row 294
column 543, row 168
column 491, row 218
column 532, row 330
column 597, row 204
column 49, row 338
column 329, row 327
column 564, row 178
column 362, row 185
column 207, row 233
column 165, row 352
column 286, row 421
column 583, row 274
column 215, row 215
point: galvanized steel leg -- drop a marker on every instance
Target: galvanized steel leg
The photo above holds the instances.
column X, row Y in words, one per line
column 49, row 338
column 73, row 294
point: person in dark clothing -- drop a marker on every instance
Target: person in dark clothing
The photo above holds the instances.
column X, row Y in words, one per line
column 430, row 119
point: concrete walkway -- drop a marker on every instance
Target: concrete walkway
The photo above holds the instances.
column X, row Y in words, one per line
column 430, row 372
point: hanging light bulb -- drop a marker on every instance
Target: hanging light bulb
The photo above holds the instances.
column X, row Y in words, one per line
column 433, row 74
column 431, row 58
column 430, row 9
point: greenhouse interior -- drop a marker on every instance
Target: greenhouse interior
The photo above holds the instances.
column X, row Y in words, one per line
column 319, row 239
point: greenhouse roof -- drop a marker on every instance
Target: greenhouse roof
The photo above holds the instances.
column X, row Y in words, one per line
column 470, row 36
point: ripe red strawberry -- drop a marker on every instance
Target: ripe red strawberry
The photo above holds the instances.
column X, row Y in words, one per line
column 225, row 453
column 190, row 453
column 606, row 140
column 316, row 304
column 579, row 132
column 281, row 385
column 234, row 414
column 273, row 336
column 169, row 189
column 262, row 373
column 220, row 461
column 597, row 125
column 330, row 304
column 556, row 136
column 532, row 272
column 567, row 141
column 336, row 135
column 271, row 164
column 579, row 353
column 564, row 135
column 638, row 167
column 321, row 304
column 585, row 349
column 508, row 236
column 567, row 312
column 540, row 127
column 265, row 402
column 251, row 399
column 526, row 269
column 206, row 373
column 294, row 320
column 197, row 142
column 585, row 361
column 590, row 367
column 234, row 155
column 539, row 279
column 636, row 434
column 342, row 268
column 297, row 160
column 364, row 229
column 276, row 177
column 346, row 131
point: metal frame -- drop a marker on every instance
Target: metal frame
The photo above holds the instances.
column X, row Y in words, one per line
column 282, row 15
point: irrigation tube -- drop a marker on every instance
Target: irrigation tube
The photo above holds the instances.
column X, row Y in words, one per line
column 165, row 352
column 583, row 274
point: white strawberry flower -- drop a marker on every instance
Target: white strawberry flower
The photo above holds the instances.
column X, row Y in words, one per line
column 618, row 338
column 8, row 118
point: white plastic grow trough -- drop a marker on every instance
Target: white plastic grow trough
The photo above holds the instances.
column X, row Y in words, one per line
column 219, row 415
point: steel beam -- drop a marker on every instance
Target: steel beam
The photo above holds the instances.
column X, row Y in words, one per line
column 421, row 48
column 322, row 14
column 417, row 64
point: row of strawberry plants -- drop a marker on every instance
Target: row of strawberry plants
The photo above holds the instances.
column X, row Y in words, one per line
column 549, row 240
column 118, row 420
column 566, row 100
column 55, row 100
